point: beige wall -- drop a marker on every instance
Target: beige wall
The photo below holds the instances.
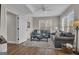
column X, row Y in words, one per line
column 51, row 22
column 35, row 23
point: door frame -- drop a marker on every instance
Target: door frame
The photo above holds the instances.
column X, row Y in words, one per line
column 12, row 12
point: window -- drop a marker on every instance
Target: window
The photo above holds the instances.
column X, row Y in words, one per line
column 63, row 23
column 67, row 22
column 70, row 19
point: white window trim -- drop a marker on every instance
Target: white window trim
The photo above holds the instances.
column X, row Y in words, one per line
column 67, row 16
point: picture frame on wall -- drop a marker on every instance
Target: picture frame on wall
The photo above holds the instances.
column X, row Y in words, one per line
column 28, row 24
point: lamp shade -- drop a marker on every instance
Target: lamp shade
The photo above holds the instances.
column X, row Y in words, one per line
column 76, row 24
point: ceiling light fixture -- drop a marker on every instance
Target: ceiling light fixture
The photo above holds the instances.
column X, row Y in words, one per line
column 43, row 8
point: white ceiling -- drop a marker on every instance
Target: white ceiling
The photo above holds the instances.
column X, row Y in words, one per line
column 19, row 9
column 41, row 10
column 38, row 10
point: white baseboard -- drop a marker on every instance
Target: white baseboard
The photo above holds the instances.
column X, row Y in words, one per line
column 22, row 41
column 12, row 42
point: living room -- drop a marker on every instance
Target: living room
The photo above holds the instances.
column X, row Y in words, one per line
column 38, row 29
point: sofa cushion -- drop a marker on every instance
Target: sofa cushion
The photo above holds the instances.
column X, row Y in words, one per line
column 62, row 34
column 66, row 34
column 64, row 38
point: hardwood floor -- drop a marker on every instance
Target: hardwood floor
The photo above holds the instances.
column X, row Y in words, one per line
column 14, row 49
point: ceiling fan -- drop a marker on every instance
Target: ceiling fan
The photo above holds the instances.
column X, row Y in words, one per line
column 44, row 8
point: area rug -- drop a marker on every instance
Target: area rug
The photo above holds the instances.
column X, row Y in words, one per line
column 40, row 44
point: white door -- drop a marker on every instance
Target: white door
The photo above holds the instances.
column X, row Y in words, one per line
column 11, row 28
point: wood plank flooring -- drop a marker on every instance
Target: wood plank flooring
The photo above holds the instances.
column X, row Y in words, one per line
column 15, row 49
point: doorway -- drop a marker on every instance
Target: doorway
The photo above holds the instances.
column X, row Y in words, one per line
column 12, row 28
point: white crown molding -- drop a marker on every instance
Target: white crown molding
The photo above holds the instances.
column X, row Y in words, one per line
column 30, row 8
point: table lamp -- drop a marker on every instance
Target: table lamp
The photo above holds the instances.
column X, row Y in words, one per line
column 76, row 26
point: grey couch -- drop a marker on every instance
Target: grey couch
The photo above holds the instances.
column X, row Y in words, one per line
column 63, row 38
